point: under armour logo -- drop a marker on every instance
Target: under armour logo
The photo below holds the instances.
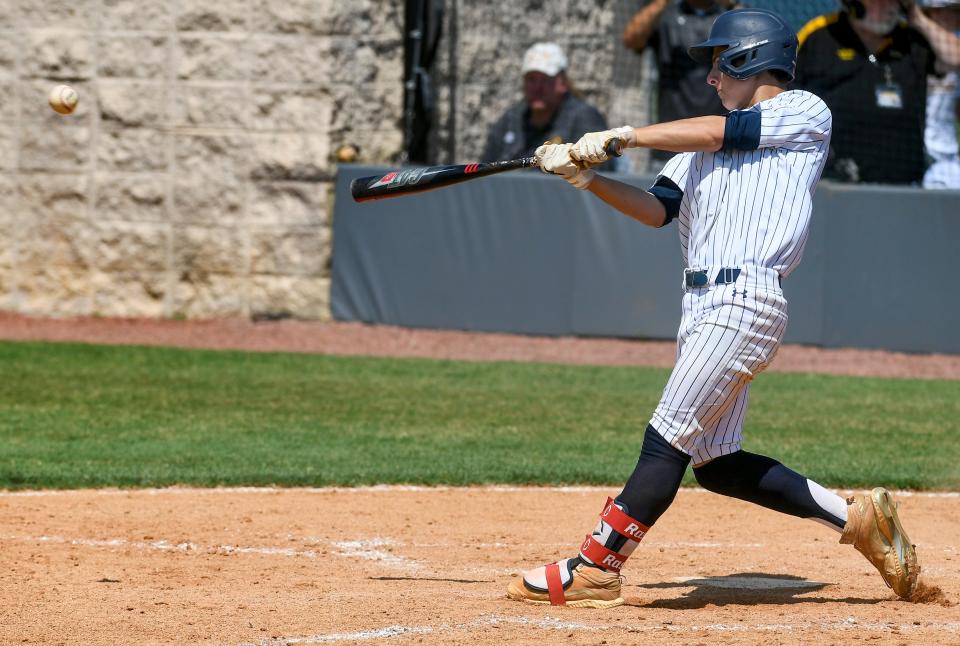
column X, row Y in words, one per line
column 736, row 293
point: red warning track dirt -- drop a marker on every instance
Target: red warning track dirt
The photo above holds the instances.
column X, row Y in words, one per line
column 347, row 338
column 410, row 565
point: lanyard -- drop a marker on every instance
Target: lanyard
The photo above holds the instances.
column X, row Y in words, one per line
column 887, row 72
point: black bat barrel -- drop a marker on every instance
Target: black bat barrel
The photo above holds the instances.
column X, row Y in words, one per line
column 417, row 180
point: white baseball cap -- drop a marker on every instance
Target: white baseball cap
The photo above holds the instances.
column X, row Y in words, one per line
column 544, row 57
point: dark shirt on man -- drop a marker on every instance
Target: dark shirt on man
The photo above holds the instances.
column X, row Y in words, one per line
column 512, row 136
column 878, row 101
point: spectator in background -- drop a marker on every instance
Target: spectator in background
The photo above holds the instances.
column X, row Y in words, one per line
column 870, row 62
column 943, row 106
column 670, row 27
column 548, row 113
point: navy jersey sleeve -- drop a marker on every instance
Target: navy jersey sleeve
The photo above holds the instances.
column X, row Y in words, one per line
column 668, row 187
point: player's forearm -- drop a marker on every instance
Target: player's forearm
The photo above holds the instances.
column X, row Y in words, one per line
column 638, row 30
column 699, row 134
column 629, row 200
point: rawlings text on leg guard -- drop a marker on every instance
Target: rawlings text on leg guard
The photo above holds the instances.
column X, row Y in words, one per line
column 614, row 539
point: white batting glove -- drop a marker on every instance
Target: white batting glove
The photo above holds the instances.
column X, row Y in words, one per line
column 555, row 159
column 591, row 148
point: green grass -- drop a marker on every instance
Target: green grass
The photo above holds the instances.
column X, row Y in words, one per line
column 76, row 415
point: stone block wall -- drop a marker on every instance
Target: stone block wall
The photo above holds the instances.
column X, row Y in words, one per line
column 195, row 177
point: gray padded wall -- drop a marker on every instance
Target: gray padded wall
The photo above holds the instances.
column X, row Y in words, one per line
column 891, row 255
column 525, row 253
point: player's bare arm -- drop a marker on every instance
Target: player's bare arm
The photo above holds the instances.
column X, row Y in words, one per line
column 699, row 134
column 632, row 201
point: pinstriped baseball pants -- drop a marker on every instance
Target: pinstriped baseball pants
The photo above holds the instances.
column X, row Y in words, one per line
column 728, row 334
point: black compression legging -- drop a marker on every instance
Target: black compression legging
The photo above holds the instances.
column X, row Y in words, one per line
column 763, row 481
column 747, row 476
column 654, row 482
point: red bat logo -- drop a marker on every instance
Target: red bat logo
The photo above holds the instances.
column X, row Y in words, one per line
column 409, row 177
column 383, row 181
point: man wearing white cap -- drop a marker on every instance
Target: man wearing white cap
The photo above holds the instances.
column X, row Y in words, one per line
column 549, row 112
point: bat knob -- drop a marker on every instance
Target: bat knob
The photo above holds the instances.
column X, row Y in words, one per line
column 614, row 148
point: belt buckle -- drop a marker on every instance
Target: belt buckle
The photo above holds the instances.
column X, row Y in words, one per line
column 690, row 277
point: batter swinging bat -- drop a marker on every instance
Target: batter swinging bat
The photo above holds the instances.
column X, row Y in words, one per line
column 417, row 180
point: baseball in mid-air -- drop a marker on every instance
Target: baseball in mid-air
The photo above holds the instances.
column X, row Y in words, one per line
column 63, row 99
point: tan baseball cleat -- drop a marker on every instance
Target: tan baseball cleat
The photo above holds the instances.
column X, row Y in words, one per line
column 568, row 583
column 874, row 528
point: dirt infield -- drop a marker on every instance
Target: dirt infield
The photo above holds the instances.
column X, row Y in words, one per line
column 414, row 565
column 410, row 565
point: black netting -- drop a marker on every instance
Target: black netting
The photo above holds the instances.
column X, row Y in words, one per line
column 894, row 112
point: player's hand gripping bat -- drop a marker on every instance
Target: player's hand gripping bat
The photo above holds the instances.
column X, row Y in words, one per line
column 408, row 181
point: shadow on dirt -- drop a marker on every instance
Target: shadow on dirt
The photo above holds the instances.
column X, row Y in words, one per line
column 744, row 588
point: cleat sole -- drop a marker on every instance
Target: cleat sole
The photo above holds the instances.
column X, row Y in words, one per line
column 890, row 527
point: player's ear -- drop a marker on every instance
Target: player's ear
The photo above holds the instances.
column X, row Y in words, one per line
column 777, row 77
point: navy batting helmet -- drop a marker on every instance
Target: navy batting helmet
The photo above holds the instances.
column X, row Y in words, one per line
column 755, row 40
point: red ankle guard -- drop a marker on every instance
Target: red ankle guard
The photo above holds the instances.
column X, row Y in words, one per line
column 622, row 524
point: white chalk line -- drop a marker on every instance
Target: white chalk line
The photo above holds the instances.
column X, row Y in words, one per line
column 161, row 545
column 363, row 635
column 553, row 623
column 548, row 623
column 367, row 549
column 362, row 549
column 40, row 493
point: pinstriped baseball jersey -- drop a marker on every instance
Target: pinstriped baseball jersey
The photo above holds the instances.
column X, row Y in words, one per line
column 752, row 207
column 745, row 210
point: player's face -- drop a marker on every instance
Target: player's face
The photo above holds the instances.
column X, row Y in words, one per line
column 734, row 94
column 543, row 93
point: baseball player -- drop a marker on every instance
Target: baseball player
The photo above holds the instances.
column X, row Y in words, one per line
column 740, row 189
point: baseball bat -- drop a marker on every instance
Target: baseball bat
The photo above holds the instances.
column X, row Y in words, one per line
column 408, row 181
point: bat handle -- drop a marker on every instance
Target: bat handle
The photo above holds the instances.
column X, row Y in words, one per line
column 614, row 148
